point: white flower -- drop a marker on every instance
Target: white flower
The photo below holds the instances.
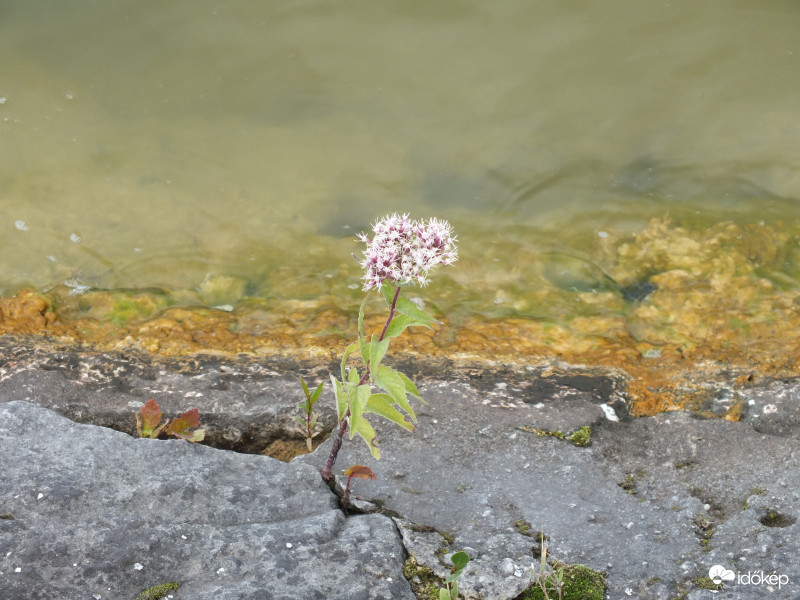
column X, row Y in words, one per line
column 404, row 251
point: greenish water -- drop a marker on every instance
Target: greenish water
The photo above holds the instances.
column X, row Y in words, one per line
column 234, row 149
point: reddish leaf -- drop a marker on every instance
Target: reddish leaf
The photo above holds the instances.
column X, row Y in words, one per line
column 148, row 424
column 186, row 426
column 360, row 472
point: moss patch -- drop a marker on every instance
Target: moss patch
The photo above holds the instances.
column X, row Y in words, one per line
column 422, row 580
column 157, row 592
column 580, row 583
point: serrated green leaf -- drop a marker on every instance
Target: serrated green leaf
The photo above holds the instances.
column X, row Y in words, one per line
column 406, row 307
column 346, row 354
column 358, row 400
column 383, row 405
column 366, row 431
column 352, row 379
column 377, row 350
column 410, row 387
column 341, row 398
column 391, row 381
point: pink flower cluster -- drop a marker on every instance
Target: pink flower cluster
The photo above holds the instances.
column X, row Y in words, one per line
column 404, row 251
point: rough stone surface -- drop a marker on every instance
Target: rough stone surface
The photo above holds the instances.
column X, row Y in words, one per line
column 652, row 502
column 99, row 514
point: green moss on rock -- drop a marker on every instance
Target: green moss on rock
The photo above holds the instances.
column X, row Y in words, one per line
column 580, row 583
column 157, row 592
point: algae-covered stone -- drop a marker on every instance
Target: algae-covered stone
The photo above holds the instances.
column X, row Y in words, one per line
column 222, row 290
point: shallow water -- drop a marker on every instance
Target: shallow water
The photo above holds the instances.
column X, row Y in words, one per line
column 226, row 153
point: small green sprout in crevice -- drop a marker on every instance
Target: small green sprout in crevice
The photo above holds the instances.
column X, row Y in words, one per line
column 551, row 580
column 308, row 422
column 157, row 592
column 450, row 590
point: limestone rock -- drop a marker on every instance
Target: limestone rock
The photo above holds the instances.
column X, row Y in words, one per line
column 94, row 513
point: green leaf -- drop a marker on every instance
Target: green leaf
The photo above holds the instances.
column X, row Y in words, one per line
column 377, row 350
column 410, row 387
column 460, row 560
column 346, row 354
column 311, row 399
column 387, row 291
column 391, row 381
column 361, row 315
column 187, row 426
column 407, row 307
column 383, row 405
column 366, row 431
column 364, row 350
column 398, row 325
column 358, row 400
column 341, row 398
column 444, row 594
column 316, row 394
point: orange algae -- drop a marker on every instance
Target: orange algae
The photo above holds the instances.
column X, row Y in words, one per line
column 720, row 309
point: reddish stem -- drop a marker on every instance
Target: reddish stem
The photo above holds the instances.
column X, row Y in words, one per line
column 327, row 472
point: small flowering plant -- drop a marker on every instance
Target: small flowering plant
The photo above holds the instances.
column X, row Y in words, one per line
column 401, row 252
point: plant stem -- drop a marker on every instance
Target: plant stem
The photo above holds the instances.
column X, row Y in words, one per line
column 327, row 471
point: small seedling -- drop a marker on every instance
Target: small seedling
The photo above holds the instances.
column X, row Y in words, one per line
column 450, row 589
column 148, row 420
column 309, row 421
column 548, row 579
column 359, row 472
column 186, row 427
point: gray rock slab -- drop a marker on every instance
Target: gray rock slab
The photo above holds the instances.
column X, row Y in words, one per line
column 654, row 503
column 94, row 513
